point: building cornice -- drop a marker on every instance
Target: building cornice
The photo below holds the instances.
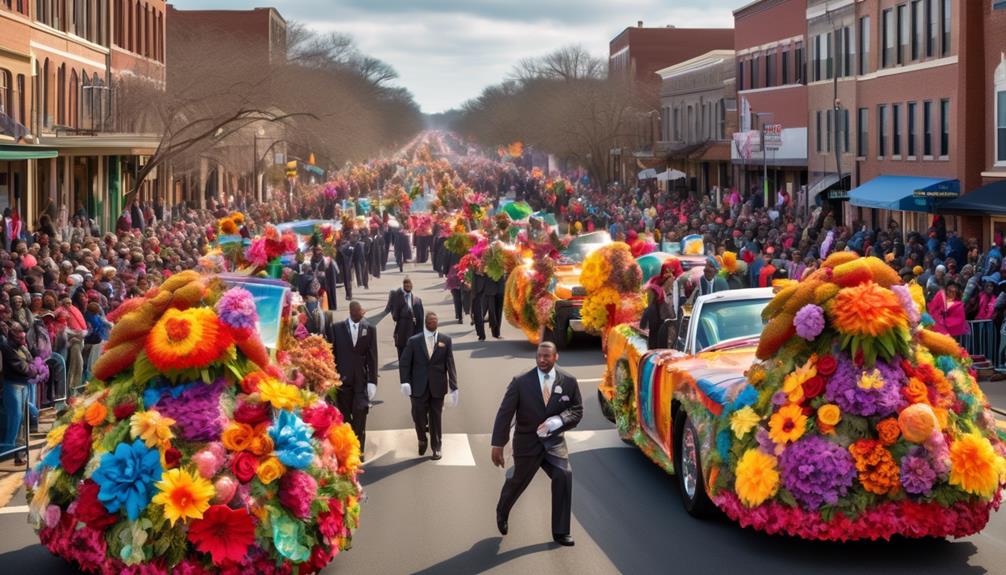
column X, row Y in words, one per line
column 697, row 63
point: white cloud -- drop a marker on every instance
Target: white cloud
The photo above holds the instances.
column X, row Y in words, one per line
column 447, row 51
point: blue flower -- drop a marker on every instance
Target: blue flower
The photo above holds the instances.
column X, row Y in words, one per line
column 724, row 441
column 51, row 459
column 126, row 478
column 292, row 440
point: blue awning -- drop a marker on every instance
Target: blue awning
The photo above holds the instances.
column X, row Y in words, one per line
column 904, row 193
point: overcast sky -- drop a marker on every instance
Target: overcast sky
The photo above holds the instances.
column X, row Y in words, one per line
column 447, row 51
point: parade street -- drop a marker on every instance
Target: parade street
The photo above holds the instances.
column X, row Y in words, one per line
column 437, row 517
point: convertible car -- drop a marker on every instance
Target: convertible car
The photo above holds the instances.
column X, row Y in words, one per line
column 650, row 394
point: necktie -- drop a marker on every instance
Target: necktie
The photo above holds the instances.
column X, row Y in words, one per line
column 353, row 327
column 546, row 388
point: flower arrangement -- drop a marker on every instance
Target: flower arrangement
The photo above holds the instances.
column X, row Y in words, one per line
column 313, row 359
column 528, row 303
column 498, row 260
column 860, row 423
column 612, row 279
column 191, row 452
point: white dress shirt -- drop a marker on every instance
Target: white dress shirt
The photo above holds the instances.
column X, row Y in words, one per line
column 354, row 329
column 431, row 341
column 542, row 381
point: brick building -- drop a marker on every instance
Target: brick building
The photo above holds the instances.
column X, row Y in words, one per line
column 65, row 148
column 635, row 55
column 698, row 104
column 771, row 52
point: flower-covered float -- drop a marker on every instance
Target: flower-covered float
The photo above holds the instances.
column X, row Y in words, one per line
column 858, row 422
column 612, row 280
column 192, row 453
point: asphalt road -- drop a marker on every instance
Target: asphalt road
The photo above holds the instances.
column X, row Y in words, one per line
column 432, row 518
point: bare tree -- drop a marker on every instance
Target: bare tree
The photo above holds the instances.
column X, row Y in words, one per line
column 568, row 63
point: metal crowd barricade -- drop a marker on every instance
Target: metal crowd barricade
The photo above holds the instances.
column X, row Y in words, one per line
column 982, row 339
column 59, row 397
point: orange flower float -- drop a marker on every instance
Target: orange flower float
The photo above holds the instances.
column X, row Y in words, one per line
column 186, row 339
column 867, row 310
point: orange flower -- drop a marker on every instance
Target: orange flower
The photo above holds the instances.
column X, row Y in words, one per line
column 238, row 436
column 95, row 414
column 888, row 431
column 975, row 467
column 261, row 444
column 867, row 310
column 186, row 339
column 877, row 469
column 346, row 446
column 228, row 227
column 915, row 391
column 787, row 425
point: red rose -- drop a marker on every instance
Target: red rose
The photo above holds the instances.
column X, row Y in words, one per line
column 321, row 418
column 813, row 387
column 905, row 367
column 90, row 510
column 826, row 365
column 243, row 465
column 252, row 413
column 124, row 410
column 320, row 558
column 171, row 457
column 76, row 448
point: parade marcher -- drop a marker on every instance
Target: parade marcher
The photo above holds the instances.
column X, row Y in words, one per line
column 318, row 320
column 479, row 282
column 402, row 249
column 493, row 302
column 360, row 261
column 355, row 347
column 546, row 403
column 406, row 309
column 428, row 375
column 376, row 251
column 345, row 251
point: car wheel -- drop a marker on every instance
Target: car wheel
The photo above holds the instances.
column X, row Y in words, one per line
column 688, row 468
column 623, row 404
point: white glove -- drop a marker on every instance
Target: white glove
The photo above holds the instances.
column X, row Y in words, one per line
column 549, row 425
column 453, row 402
column 371, row 391
column 406, row 389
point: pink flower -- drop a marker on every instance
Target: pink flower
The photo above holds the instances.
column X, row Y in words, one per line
column 207, row 462
column 256, row 253
column 296, row 492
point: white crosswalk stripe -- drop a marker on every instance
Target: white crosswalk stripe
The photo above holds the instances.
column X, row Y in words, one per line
column 400, row 444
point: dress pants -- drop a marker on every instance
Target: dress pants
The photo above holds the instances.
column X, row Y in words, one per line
column 478, row 313
column 495, row 305
column 428, row 412
column 561, row 474
column 355, row 417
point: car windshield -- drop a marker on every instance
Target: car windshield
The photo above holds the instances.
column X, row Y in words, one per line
column 724, row 320
column 581, row 246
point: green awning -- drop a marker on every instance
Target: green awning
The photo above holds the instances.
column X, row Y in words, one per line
column 14, row 152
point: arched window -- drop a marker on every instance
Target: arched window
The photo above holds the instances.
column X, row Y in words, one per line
column 100, row 101
column 21, row 100
column 46, row 95
column 86, row 93
column 61, row 96
column 1000, row 99
column 138, row 16
column 74, row 118
column 6, row 93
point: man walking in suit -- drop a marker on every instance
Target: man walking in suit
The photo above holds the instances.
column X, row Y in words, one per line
column 355, row 346
column 479, row 283
column 494, row 302
column 360, row 256
column 345, row 250
column 428, row 375
column 546, row 402
column 406, row 310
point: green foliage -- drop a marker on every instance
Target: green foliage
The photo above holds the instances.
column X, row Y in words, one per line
column 115, row 435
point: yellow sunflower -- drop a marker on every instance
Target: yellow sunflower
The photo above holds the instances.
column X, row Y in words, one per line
column 186, row 339
column 183, row 495
column 757, row 477
column 280, row 395
column 787, row 424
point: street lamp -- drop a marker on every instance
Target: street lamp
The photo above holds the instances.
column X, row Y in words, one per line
column 259, row 133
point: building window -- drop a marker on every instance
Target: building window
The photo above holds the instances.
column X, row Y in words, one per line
column 910, row 120
column 927, row 129
column 21, row 107
column 770, row 69
column 828, row 132
column 902, row 33
column 864, row 45
column 863, row 142
column 819, row 131
column 676, row 127
column 816, row 58
column 947, row 21
column 944, row 128
column 887, row 21
column 845, row 130
column 6, row 93
column 785, row 67
column 896, row 130
column 828, row 57
column 932, row 25
column 754, row 71
column 917, row 29
column 799, row 65
column 881, row 130
column 847, row 52
column 723, row 119
column 1001, row 124
column 740, row 75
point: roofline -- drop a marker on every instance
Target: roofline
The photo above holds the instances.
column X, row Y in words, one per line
column 695, row 62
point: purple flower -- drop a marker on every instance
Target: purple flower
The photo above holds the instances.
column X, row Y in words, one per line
column 905, row 298
column 40, row 370
column 196, row 411
column 765, row 443
column 843, row 389
column 780, row 399
column 816, row 471
column 809, row 322
column 236, row 309
column 917, row 474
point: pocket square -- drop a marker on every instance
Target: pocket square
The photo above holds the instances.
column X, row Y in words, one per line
column 441, row 344
column 564, row 398
column 558, row 389
column 363, row 333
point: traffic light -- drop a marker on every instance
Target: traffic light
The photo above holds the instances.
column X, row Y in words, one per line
column 291, row 169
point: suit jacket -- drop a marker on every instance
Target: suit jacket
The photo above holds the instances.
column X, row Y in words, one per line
column 319, row 323
column 424, row 368
column 523, row 400
column 357, row 364
column 408, row 321
column 495, row 287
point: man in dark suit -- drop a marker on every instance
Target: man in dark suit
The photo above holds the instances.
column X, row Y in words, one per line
column 376, row 251
column 354, row 342
column 479, row 282
column 345, row 250
column 546, row 402
column 406, row 309
column 493, row 300
column 428, row 375
column 403, row 251
column 360, row 256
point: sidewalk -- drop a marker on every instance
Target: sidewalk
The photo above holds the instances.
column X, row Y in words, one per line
column 996, row 393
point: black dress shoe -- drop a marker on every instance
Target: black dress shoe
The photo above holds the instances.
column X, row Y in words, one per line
column 564, row 540
column 436, row 455
column 422, row 448
column 501, row 524
column 363, row 458
column 482, row 338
